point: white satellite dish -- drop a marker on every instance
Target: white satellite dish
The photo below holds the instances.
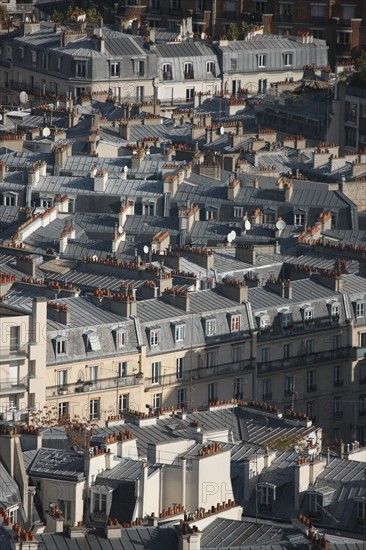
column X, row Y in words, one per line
column 146, row 249
column 148, row 152
column 125, row 169
column 247, row 225
column 95, row 258
column 1, row 117
column 233, row 235
column 229, row 238
column 222, row 130
column 23, row 97
column 134, row 152
column 120, row 229
column 280, row 225
column 46, row 132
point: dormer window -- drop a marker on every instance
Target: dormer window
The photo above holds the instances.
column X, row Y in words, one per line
column 121, row 338
column 359, row 309
column 167, row 71
column 179, row 333
column 268, row 496
column 235, row 323
column 210, row 67
column 361, row 510
column 261, row 61
column 10, row 199
column 286, row 320
column 335, row 311
column 210, row 327
column 188, row 71
column 308, row 315
column 154, row 337
column 315, row 505
column 92, row 341
column 61, row 346
column 264, row 322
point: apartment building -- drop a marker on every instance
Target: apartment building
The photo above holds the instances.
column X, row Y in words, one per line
column 341, row 24
column 22, row 358
column 349, row 121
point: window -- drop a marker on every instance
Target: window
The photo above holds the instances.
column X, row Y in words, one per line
column 13, row 514
column 148, row 209
column 235, row 323
column 315, row 504
column 10, row 199
column 360, row 309
column 286, row 13
column 265, row 355
column 80, row 69
column 139, row 67
column 317, row 13
column 238, row 211
column 289, row 385
column 211, row 214
column 362, row 339
column 94, row 409
column 264, row 322
column 155, row 372
column 335, row 311
column 34, row 58
column 286, row 320
column 177, row 4
column 299, row 219
column 351, row 112
column 238, row 388
column 114, row 69
column 261, row 61
column 308, row 315
column 336, row 341
column 167, row 71
column 154, row 337
column 269, row 217
column 46, row 203
column 180, row 333
column 93, row 373
column 188, row 71
column 21, row 53
column 65, row 508
column 337, row 407
column 236, row 355
column 310, row 381
column 286, row 352
column 210, row 359
column 63, row 408
column 267, row 393
column 182, row 398
column 179, row 368
column 310, row 410
column 362, row 373
column 287, row 59
column 260, row 6
column 361, row 510
column 351, row 137
column 362, row 405
column 189, row 94
column 343, row 38
column 154, row 5
column 62, row 376
column 122, row 403
column 338, row 376
column 58, row 63
column 309, row 347
column 210, row 327
column 268, row 496
column 157, row 400
column 99, row 503
column 122, row 369
column 14, row 338
column 93, row 343
column 212, row 392
column 210, row 67
column 262, row 85
column 61, row 347
column 233, row 64
column 9, row 53
column 121, row 338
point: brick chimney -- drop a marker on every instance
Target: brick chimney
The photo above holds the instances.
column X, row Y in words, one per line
column 233, row 289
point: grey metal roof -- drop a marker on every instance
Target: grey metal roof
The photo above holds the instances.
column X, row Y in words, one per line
column 51, row 463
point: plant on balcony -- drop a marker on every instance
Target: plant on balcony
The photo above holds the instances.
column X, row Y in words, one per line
column 62, row 390
column 140, row 375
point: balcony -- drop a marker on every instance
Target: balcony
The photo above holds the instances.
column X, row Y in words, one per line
column 12, row 387
column 267, row 396
column 359, row 353
column 201, row 373
column 338, row 383
column 362, row 380
column 230, row 15
column 168, row 75
column 306, row 359
column 92, row 386
column 20, row 354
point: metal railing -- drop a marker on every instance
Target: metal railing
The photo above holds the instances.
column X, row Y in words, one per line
column 10, row 385
column 200, row 373
column 92, row 386
column 306, row 359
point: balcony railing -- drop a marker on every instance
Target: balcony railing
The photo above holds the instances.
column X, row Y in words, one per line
column 306, row 359
column 10, row 386
column 19, row 354
column 92, row 386
column 338, row 383
column 359, row 353
column 200, row 373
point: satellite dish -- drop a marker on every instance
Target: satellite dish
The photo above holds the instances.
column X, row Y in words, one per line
column 229, row 238
column 247, row 225
column 125, row 169
column 46, row 132
column 23, row 97
column 146, row 249
column 1, row 117
column 134, row 152
column 95, row 258
column 280, row 225
column 222, row 130
column 120, row 229
column 233, row 235
column 148, row 152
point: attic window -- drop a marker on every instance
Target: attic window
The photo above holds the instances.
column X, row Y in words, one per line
column 263, row 321
column 335, row 311
column 268, row 496
column 93, row 342
column 308, row 315
column 179, row 332
column 210, row 327
column 361, row 510
column 360, row 309
column 315, row 504
column 61, row 346
column 286, row 319
column 154, row 337
column 234, row 323
column 121, row 338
